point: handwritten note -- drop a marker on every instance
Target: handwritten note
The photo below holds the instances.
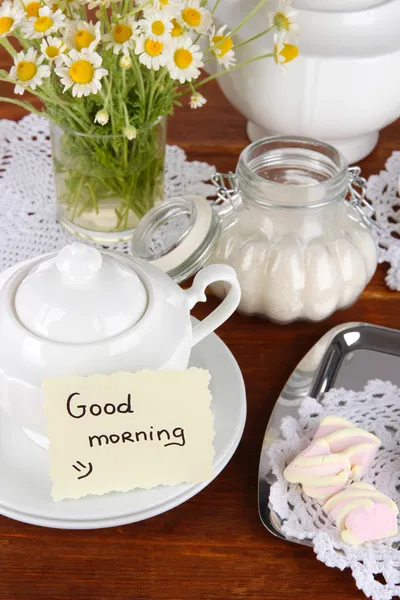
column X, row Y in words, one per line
column 128, row 430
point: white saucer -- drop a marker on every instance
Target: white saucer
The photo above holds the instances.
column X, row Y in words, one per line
column 24, row 467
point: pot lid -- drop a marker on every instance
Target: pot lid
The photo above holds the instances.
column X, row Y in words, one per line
column 80, row 296
column 178, row 235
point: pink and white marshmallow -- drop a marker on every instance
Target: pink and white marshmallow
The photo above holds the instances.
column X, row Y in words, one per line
column 362, row 514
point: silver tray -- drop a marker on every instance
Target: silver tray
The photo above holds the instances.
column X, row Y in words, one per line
column 347, row 356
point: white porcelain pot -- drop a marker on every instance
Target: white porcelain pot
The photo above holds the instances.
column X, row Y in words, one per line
column 343, row 88
column 83, row 312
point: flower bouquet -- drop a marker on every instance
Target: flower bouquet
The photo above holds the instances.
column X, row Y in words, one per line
column 108, row 73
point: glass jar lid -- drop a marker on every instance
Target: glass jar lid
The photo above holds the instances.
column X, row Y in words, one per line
column 178, row 235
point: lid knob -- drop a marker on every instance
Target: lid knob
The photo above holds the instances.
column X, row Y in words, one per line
column 78, row 264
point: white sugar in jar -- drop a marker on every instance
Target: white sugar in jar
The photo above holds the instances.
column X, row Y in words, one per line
column 300, row 249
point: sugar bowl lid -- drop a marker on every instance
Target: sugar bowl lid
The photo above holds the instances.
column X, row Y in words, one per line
column 80, row 296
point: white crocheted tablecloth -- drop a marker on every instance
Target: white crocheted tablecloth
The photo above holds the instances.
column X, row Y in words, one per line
column 28, row 225
column 375, row 566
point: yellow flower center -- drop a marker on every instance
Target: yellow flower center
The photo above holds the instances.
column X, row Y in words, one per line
column 26, row 70
column 32, row 9
column 157, row 27
column 5, row 24
column 183, row 58
column 222, row 45
column 52, row 51
column 122, row 33
column 43, row 24
column 177, row 29
column 153, row 47
column 288, row 52
column 164, row 2
column 81, row 71
column 83, row 39
column 191, row 16
column 281, row 21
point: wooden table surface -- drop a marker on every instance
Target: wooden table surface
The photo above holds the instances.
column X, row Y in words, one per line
column 213, row 546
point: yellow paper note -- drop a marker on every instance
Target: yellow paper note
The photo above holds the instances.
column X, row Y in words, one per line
column 128, row 430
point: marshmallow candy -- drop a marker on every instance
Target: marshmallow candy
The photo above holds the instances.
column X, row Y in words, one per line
column 356, row 443
column 338, row 453
column 362, row 514
column 321, row 473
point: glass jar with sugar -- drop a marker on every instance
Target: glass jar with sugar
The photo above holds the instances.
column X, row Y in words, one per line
column 292, row 222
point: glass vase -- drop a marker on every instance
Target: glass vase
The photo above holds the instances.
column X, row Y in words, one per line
column 106, row 183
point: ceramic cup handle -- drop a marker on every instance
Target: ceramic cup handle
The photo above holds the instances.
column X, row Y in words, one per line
column 196, row 293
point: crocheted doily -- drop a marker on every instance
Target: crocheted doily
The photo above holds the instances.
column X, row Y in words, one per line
column 383, row 192
column 375, row 566
column 28, row 225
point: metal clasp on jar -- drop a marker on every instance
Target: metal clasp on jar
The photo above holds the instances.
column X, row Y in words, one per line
column 228, row 196
column 358, row 190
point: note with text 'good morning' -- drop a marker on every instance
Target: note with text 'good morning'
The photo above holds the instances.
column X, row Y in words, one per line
column 128, row 430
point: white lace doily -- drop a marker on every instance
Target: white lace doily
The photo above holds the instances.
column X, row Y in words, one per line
column 375, row 566
column 383, row 192
column 28, row 225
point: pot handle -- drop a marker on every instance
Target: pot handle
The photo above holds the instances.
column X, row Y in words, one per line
column 196, row 293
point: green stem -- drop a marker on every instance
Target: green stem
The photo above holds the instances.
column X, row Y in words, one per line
column 248, row 17
column 22, row 104
column 7, row 46
column 215, row 6
column 255, row 37
column 220, row 73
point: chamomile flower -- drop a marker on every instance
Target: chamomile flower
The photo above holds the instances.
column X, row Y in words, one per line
column 195, row 17
column 282, row 19
column 10, row 17
column 81, row 34
column 197, row 100
column 177, row 29
column 157, row 25
column 102, row 117
column 53, row 49
column 171, row 8
column 57, row 4
column 43, row 25
column 28, row 71
column 284, row 53
column 31, row 7
column 123, row 35
column 152, row 53
column 185, row 60
column 130, row 132
column 221, row 45
column 125, row 61
column 82, row 72
column 100, row 3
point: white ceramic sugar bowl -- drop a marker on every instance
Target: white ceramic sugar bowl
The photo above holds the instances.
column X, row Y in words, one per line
column 81, row 312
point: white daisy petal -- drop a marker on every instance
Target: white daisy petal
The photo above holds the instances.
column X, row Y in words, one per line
column 81, row 34
column 82, row 73
column 46, row 23
column 11, row 16
column 152, row 53
column 185, row 60
column 52, row 49
column 283, row 19
column 171, row 8
column 221, row 45
column 157, row 25
column 123, row 35
column 195, row 17
column 27, row 71
column 197, row 100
